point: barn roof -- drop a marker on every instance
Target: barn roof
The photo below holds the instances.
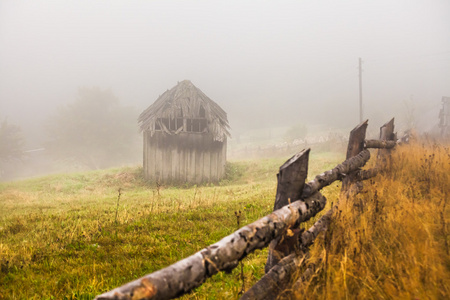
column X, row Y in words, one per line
column 188, row 99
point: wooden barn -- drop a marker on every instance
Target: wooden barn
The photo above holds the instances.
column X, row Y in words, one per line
column 185, row 137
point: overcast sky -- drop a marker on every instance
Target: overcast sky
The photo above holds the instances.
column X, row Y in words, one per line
column 267, row 63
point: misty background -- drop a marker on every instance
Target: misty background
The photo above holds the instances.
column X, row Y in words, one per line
column 267, row 64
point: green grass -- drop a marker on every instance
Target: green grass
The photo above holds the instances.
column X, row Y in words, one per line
column 59, row 237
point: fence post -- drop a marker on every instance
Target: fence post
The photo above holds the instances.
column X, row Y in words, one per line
column 386, row 134
column 291, row 179
column 355, row 146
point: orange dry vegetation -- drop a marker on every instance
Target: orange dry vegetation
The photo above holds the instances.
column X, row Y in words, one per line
column 392, row 240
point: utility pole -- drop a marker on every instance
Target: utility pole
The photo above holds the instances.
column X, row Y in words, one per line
column 360, row 92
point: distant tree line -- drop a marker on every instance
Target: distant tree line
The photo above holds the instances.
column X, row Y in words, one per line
column 95, row 131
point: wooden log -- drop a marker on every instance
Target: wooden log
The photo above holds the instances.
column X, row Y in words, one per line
column 181, row 277
column 379, row 144
column 361, row 175
column 308, row 237
column 271, row 284
column 291, row 179
column 355, row 146
column 338, row 173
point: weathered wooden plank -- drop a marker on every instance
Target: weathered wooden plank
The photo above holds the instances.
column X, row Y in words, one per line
column 214, row 169
column 328, row 177
column 386, row 134
column 356, row 140
column 291, row 179
column 183, row 276
column 199, row 161
column 151, row 156
column 206, row 165
column 192, row 165
column 175, row 162
column 355, row 146
column 159, row 163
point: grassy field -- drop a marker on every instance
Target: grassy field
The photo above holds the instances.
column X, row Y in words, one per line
column 72, row 237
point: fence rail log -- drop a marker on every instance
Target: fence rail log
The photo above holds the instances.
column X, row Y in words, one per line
column 338, row 173
column 362, row 175
column 271, row 284
column 183, row 276
column 379, row 144
column 281, row 273
column 308, row 237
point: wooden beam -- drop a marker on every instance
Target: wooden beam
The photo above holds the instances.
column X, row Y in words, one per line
column 380, row 144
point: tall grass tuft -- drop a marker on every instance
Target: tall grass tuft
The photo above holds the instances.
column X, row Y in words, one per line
column 390, row 241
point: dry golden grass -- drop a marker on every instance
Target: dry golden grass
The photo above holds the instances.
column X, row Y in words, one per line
column 392, row 240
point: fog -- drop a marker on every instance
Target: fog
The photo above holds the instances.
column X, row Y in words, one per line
column 266, row 63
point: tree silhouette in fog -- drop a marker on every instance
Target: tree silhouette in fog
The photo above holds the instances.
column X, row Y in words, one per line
column 11, row 145
column 93, row 131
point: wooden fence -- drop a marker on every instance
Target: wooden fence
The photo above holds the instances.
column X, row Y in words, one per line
column 295, row 202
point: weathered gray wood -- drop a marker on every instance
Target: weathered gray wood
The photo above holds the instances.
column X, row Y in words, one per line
column 356, row 140
column 341, row 170
column 386, row 134
column 191, row 272
column 275, row 280
column 291, row 179
column 207, row 166
column 184, row 157
column 355, row 146
column 175, row 165
column 379, row 144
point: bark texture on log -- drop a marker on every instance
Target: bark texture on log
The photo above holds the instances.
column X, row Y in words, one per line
column 183, row 276
column 310, row 235
column 337, row 173
column 291, row 178
column 380, row 144
column 271, row 284
column 362, row 175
